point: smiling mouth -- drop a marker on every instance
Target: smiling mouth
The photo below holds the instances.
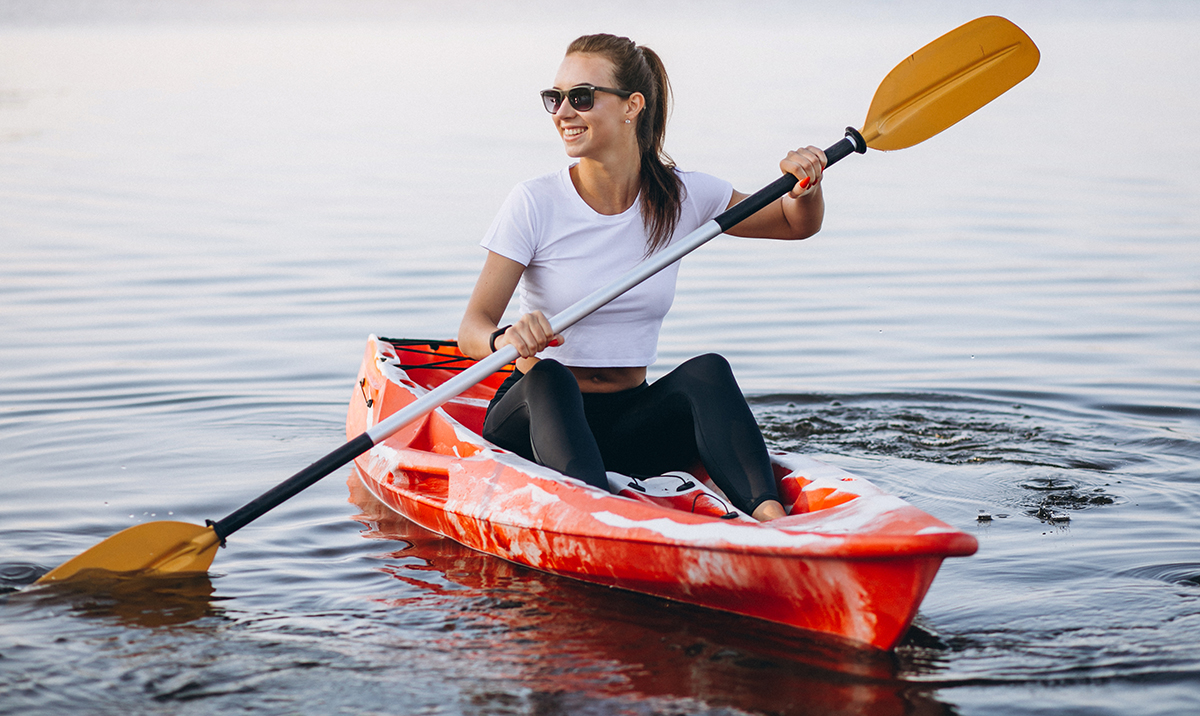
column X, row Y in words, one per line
column 574, row 131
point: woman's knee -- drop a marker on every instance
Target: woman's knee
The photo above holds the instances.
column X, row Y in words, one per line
column 552, row 378
column 546, row 385
column 709, row 370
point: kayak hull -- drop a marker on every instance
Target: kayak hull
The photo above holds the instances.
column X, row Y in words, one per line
column 849, row 560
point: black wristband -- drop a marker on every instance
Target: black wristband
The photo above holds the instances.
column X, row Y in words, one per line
column 496, row 334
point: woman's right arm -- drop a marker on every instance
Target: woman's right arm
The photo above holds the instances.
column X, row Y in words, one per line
column 493, row 290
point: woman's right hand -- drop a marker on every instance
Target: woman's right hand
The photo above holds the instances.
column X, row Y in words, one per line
column 530, row 335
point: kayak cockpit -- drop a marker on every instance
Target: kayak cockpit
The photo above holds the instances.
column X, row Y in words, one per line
column 419, row 457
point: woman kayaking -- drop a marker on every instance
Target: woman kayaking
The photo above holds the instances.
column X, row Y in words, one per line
column 578, row 402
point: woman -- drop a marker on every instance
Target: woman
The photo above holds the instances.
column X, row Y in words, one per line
column 579, row 402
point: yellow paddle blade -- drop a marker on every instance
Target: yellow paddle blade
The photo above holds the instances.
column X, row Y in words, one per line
column 946, row 80
column 150, row 548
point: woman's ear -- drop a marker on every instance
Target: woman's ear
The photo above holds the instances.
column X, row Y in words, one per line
column 634, row 105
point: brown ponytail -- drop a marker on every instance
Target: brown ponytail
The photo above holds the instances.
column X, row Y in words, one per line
column 639, row 69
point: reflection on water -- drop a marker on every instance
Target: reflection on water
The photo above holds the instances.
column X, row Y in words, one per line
column 129, row 601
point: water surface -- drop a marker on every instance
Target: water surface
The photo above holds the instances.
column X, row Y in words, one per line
column 205, row 208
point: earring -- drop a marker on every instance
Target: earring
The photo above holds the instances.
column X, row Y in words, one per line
column 627, row 121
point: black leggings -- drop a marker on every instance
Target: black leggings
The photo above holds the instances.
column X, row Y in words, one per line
column 694, row 412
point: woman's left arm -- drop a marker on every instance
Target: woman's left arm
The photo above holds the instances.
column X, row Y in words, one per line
column 799, row 213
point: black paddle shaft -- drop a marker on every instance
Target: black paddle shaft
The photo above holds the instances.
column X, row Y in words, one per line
column 851, row 143
column 290, row 487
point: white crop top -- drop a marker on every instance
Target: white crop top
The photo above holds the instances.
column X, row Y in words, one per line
column 569, row 250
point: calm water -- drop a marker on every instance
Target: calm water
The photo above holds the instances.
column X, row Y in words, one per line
column 205, row 208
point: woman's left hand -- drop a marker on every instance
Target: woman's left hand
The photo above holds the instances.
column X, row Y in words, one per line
column 797, row 214
column 808, row 164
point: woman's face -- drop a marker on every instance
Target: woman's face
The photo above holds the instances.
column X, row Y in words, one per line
column 601, row 128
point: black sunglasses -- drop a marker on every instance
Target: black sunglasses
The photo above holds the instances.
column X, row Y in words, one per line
column 582, row 98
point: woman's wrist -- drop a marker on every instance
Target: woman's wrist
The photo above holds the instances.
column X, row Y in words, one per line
column 496, row 334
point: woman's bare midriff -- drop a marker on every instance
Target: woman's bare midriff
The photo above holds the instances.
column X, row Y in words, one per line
column 597, row 380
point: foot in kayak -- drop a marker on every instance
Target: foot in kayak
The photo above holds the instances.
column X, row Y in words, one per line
column 768, row 511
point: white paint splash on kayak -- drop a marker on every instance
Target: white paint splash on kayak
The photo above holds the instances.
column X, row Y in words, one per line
column 535, row 494
column 384, row 459
column 854, row 517
column 712, row 533
column 526, row 467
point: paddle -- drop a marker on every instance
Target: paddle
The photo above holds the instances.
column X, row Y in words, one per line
column 934, row 88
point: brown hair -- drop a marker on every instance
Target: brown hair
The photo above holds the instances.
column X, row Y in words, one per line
column 639, row 69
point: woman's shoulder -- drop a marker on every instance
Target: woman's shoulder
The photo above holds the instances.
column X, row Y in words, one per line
column 704, row 188
column 689, row 177
column 547, row 184
column 530, row 196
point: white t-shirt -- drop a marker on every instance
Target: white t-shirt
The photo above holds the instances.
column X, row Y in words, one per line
column 569, row 250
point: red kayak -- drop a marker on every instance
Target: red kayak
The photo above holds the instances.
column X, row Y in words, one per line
column 849, row 560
